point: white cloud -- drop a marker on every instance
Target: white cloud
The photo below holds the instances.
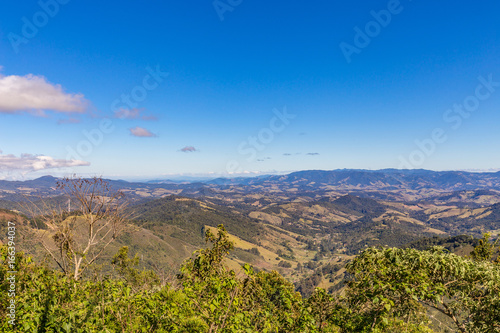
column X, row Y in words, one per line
column 35, row 95
column 27, row 163
column 189, row 149
column 141, row 132
column 134, row 113
column 124, row 113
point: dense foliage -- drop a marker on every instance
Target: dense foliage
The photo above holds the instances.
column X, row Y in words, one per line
column 449, row 243
column 389, row 290
column 190, row 218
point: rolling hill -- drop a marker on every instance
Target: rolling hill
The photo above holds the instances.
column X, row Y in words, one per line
column 305, row 224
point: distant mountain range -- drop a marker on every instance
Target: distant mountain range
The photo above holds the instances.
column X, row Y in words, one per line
column 386, row 180
column 379, row 179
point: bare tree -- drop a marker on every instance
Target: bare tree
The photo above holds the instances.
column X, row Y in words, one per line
column 76, row 239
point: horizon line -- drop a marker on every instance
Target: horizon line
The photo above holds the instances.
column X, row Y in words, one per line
column 187, row 177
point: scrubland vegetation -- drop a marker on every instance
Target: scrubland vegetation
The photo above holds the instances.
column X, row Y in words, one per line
column 389, row 290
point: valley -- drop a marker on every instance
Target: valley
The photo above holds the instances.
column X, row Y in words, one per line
column 305, row 225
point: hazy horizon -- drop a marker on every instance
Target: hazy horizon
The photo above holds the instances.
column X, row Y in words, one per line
column 212, row 176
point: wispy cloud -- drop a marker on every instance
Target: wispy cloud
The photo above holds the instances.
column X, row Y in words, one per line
column 312, row 154
column 69, row 121
column 134, row 113
column 29, row 163
column 35, row 95
column 188, row 149
column 287, row 154
column 141, row 132
column 127, row 113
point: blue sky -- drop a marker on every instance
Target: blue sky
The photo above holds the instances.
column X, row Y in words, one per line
column 252, row 87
